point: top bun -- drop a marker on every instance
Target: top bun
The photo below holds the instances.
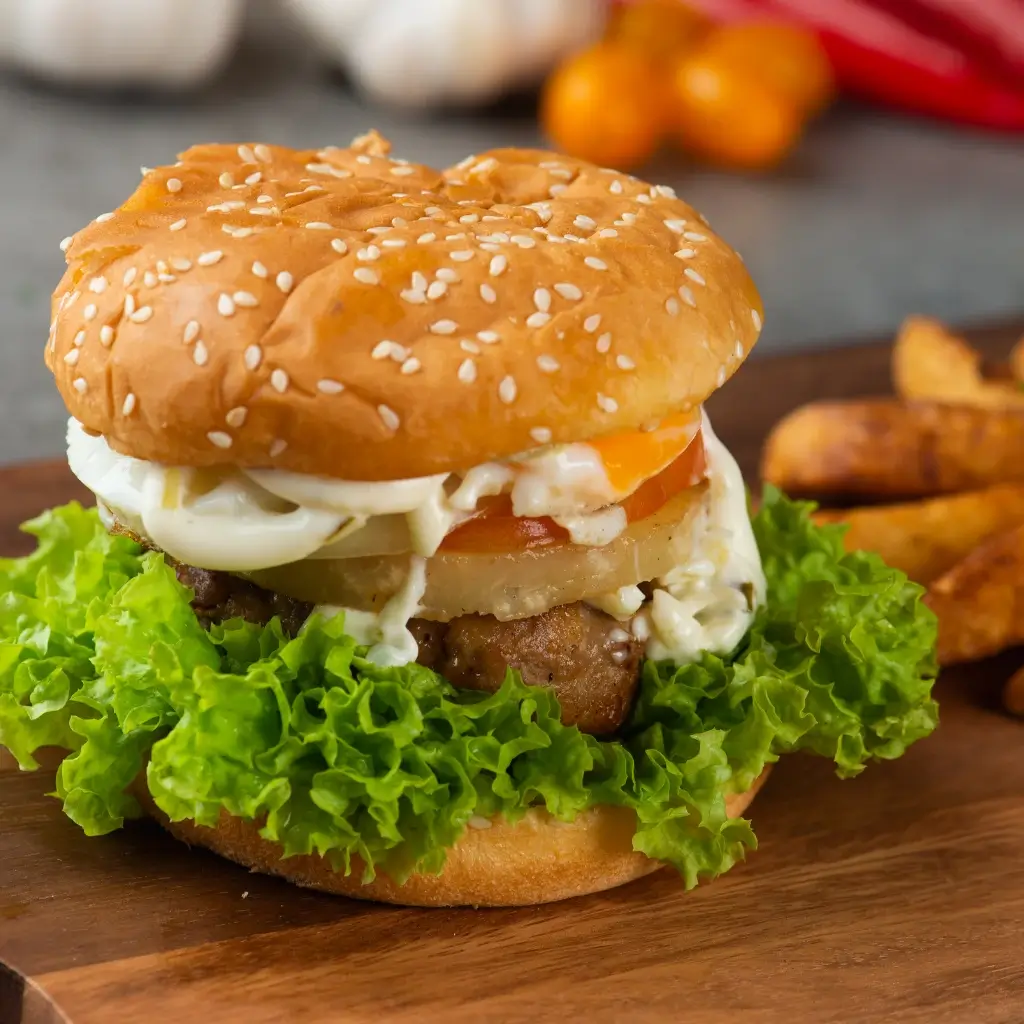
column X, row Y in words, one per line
column 341, row 313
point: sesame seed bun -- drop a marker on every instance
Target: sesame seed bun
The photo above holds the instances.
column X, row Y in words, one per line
column 537, row 860
column 341, row 313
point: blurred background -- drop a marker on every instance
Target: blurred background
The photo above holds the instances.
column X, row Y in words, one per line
column 864, row 156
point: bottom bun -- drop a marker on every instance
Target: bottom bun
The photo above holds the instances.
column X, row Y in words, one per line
column 537, row 860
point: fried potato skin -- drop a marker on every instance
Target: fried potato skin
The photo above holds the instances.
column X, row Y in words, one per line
column 925, row 539
column 980, row 601
column 887, row 449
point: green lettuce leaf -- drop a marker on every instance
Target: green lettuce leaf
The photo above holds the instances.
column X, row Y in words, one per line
column 100, row 653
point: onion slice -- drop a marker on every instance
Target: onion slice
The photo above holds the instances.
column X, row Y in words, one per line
column 508, row 585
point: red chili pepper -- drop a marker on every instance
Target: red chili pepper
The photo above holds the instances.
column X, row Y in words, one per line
column 879, row 55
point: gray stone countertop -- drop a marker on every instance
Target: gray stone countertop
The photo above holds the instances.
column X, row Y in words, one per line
column 874, row 218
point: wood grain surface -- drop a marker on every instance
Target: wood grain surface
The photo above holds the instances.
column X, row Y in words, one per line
column 897, row 896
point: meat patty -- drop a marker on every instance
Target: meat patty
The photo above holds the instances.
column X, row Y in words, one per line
column 584, row 655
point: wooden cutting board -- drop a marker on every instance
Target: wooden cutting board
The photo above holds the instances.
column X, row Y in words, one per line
column 897, row 896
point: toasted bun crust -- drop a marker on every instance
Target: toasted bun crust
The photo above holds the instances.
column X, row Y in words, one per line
column 537, row 860
column 340, row 313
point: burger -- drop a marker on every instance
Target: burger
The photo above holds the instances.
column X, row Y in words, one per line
column 417, row 572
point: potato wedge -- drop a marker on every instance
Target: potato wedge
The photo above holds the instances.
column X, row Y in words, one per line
column 927, row 538
column 929, row 362
column 1013, row 693
column 885, row 448
column 980, row 601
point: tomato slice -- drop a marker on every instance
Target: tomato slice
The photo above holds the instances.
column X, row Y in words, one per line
column 495, row 528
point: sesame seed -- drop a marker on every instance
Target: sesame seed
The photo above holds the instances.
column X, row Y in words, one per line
column 606, row 404
column 191, row 332
column 556, row 190
column 624, row 363
column 685, row 254
column 686, row 294
column 433, row 211
column 389, row 417
column 411, row 365
column 129, row 276
column 382, row 229
column 66, row 243
column 72, row 299
column 470, row 346
column 444, row 327
column 694, row 276
column 596, row 264
column 236, row 417
column 260, row 270
column 469, row 218
column 488, row 337
column 467, row 371
column 285, row 282
column 541, row 435
column 129, row 404
column 694, row 236
column 363, row 159
column 246, row 300
column 106, row 335
column 548, row 364
column 604, row 343
column 318, row 225
column 498, row 265
column 488, row 294
column 456, row 237
column 436, row 289
column 644, row 199
column 339, row 246
column 330, row 387
column 427, row 238
column 226, row 180
column 200, row 354
column 542, row 299
column 615, row 187
column 98, row 285
column 149, row 279
column 739, row 350
column 369, row 254
column 677, row 227
column 569, row 291
column 366, row 275
column 401, row 172
column 72, row 357
column 756, row 317
column 104, row 217
column 447, row 274
column 497, row 236
column 462, row 256
column 129, row 304
column 394, row 243
column 180, row 264
column 591, row 324
column 253, row 357
column 236, row 232
column 279, row 381
column 507, row 390
column 584, row 223
column 278, row 448
column 672, row 306
column 524, row 241
column 80, row 384
column 246, row 155
column 399, row 222
column 79, row 339
column 419, row 281
column 536, row 320
column 665, row 191
column 381, row 350
column 179, row 224
column 208, row 259
column 219, row 439
column 173, row 184
column 721, row 376
column 225, row 305
column 254, row 179
column 414, row 296
column 89, row 313
column 334, row 172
